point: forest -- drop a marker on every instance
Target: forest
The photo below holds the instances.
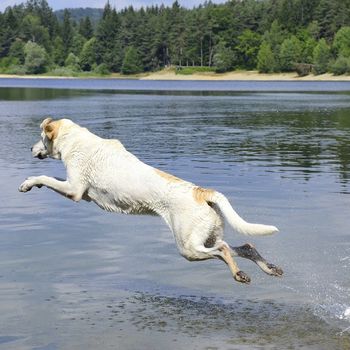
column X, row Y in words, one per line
column 306, row 36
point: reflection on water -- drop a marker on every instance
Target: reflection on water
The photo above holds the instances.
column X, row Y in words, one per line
column 29, row 94
column 73, row 276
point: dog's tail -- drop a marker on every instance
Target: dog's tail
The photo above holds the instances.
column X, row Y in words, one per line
column 236, row 221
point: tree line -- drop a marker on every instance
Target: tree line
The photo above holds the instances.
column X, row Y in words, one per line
column 265, row 35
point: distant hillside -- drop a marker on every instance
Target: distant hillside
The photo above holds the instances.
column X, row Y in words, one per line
column 78, row 13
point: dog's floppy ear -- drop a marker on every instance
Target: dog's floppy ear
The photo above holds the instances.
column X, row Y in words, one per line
column 50, row 128
column 45, row 122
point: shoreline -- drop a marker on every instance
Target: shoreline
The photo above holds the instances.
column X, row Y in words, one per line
column 167, row 74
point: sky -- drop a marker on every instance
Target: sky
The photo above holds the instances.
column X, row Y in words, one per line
column 118, row 4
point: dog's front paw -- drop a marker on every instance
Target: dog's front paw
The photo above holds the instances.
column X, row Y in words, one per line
column 28, row 184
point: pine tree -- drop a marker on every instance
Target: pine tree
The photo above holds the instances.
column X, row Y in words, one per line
column 32, row 30
column 87, row 56
column 176, row 36
column 321, row 57
column 9, row 31
column 325, row 14
column 342, row 42
column 67, row 33
column 85, row 28
column 107, row 50
column 131, row 62
column 266, row 59
column 17, row 51
column 58, row 52
column 290, row 53
column 274, row 37
column 160, row 40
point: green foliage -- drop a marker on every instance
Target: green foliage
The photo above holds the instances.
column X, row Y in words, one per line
column 266, row 59
column 88, row 55
column 58, row 53
column 342, row 42
column 102, row 69
column 131, row 62
column 35, row 58
column 194, row 69
column 107, row 50
column 85, row 28
column 72, row 62
column 308, row 47
column 341, row 66
column 67, row 33
column 322, row 57
column 16, row 70
column 77, row 44
column 62, row 72
column 34, row 31
column 223, row 58
column 7, row 63
column 78, row 14
column 17, row 50
column 290, row 53
column 248, row 48
column 274, row 37
column 269, row 35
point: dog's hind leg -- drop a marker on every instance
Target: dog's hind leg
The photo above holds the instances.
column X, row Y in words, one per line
column 226, row 256
column 223, row 251
column 248, row 251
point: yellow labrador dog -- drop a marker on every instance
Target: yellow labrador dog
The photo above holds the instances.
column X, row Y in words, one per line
column 103, row 171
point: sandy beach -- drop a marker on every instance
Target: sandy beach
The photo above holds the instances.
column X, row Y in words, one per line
column 169, row 74
column 244, row 75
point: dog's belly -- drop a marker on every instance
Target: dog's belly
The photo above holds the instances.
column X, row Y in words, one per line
column 120, row 204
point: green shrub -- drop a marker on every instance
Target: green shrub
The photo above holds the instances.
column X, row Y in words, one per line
column 194, row 69
column 16, row 69
column 340, row 66
column 102, row 69
column 6, row 62
column 62, row 72
column 72, row 62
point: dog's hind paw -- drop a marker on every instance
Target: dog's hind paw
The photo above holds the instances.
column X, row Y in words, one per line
column 274, row 270
column 242, row 277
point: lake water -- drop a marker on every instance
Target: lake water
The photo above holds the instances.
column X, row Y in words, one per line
column 75, row 277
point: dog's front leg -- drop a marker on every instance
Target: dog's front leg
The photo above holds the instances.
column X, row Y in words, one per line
column 63, row 187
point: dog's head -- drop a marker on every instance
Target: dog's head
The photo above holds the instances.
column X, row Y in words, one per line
column 47, row 146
